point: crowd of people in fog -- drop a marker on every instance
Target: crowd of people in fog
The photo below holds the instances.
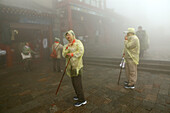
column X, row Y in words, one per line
column 135, row 44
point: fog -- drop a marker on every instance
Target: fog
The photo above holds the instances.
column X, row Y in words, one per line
column 154, row 17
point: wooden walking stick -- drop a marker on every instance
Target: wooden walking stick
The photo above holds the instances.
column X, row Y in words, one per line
column 62, row 76
column 121, row 65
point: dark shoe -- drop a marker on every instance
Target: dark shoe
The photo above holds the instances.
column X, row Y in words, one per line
column 75, row 98
column 130, row 86
column 78, row 104
column 126, row 83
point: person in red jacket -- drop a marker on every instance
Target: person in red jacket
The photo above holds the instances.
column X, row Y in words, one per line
column 56, row 48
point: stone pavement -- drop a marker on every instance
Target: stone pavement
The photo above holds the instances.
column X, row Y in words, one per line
column 34, row 92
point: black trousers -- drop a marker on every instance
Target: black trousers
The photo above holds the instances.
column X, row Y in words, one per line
column 55, row 60
column 77, row 85
column 27, row 64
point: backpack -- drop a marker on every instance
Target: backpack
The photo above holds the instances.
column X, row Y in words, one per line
column 54, row 52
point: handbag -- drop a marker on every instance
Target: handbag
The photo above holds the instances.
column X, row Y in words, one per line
column 26, row 56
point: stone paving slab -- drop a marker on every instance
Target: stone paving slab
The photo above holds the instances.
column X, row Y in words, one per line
column 34, row 92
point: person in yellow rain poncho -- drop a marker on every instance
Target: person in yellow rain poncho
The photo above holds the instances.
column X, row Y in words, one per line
column 131, row 55
column 75, row 50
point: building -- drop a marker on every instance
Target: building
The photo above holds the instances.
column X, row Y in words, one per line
column 91, row 20
column 85, row 17
column 39, row 22
column 20, row 24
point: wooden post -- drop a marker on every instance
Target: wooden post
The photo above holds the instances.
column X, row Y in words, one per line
column 50, row 36
column 69, row 16
column 41, row 44
column 9, row 56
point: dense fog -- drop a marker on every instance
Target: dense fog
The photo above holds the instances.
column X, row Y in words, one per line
column 154, row 17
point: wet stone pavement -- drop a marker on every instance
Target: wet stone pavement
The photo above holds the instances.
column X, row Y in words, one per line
column 34, row 92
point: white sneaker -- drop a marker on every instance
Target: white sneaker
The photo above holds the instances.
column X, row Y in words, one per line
column 75, row 98
column 129, row 87
column 78, row 104
column 125, row 83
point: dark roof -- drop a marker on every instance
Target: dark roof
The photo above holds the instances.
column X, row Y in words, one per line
column 26, row 7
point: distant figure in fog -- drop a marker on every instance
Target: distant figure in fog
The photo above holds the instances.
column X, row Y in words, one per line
column 144, row 41
column 27, row 56
column 131, row 55
column 56, row 54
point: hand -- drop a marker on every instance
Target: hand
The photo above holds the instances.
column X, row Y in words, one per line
column 126, row 38
column 70, row 54
column 70, row 44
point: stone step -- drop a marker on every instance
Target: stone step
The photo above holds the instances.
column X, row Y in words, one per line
column 164, row 65
column 119, row 59
column 148, row 69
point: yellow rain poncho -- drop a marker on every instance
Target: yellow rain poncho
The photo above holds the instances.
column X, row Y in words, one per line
column 132, row 48
column 76, row 62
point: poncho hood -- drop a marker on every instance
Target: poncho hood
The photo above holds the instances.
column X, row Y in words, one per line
column 71, row 32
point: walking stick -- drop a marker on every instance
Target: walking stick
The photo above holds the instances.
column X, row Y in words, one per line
column 62, row 76
column 121, row 65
